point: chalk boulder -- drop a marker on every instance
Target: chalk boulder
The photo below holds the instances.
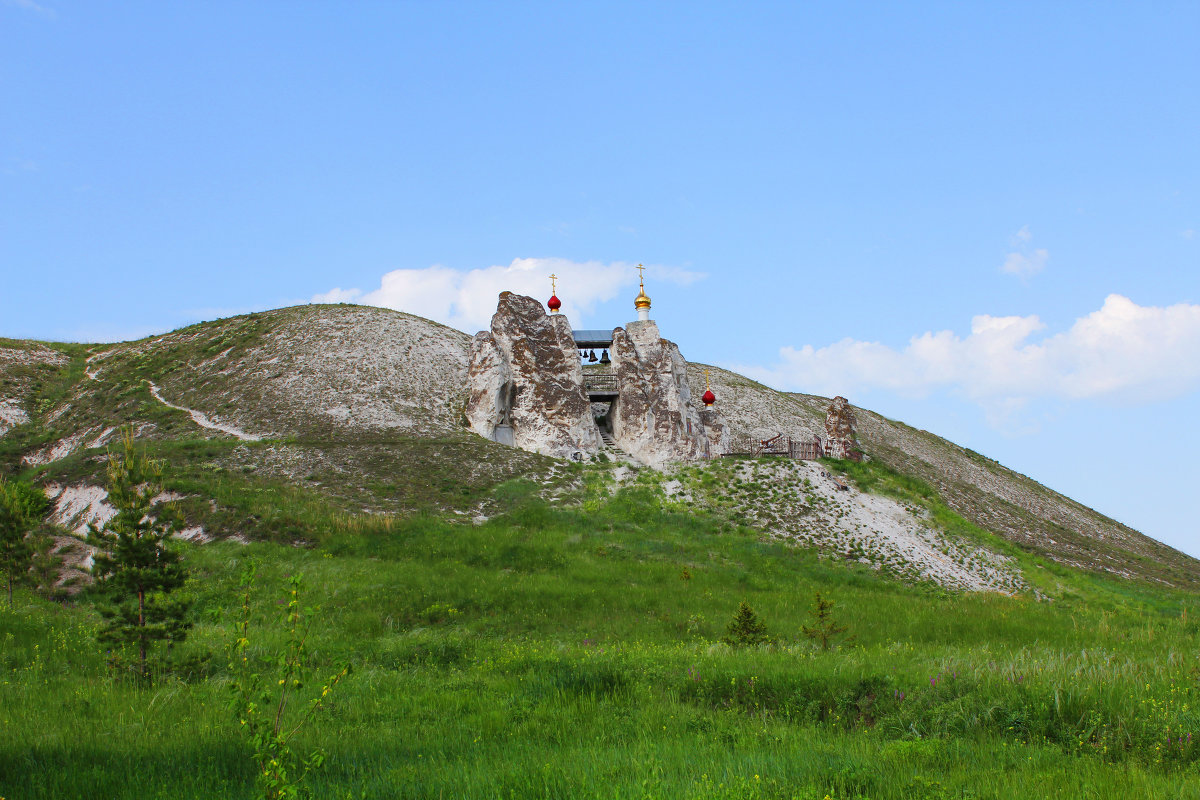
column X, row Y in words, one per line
column 655, row 418
column 526, row 382
column 841, row 431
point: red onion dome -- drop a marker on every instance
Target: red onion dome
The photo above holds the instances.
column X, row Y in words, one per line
column 555, row 304
column 709, row 398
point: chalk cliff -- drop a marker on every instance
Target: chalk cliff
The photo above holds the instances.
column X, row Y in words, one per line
column 655, row 417
column 526, row 382
column 840, row 431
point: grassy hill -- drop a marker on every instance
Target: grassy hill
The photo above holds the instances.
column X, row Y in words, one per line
column 362, row 408
column 575, row 653
column 524, row 627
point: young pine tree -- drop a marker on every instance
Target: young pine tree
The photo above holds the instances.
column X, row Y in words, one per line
column 826, row 628
column 45, row 565
column 134, row 566
column 21, row 507
column 746, row 629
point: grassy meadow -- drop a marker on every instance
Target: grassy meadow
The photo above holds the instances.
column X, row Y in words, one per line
column 574, row 651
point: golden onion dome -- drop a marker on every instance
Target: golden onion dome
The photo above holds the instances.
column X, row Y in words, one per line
column 642, row 300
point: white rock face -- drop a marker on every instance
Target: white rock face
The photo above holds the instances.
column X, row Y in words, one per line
column 11, row 415
column 840, row 430
column 754, row 411
column 15, row 377
column 77, row 507
column 654, row 417
column 490, row 401
column 526, row 382
column 319, row 370
column 83, row 440
column 716, row 431
column 811, row 508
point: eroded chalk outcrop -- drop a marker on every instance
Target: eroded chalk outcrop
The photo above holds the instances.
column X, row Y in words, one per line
column 11, row 415
column 655, row 418
column 526, row 382
column 840, row 431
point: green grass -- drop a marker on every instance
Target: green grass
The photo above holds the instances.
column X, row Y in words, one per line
column 557, row 652
column 236, row 488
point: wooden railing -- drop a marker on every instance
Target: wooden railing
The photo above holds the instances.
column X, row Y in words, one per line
column 599, row 383
column 805, row 451
column 779, row 445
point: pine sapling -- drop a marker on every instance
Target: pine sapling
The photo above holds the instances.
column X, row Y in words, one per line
column 134, row 566
column 21, row 507
column 45, row 565
column 826, row 628
column 746, row 629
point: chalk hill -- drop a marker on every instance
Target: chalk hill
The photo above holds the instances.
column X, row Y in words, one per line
column 274, row 421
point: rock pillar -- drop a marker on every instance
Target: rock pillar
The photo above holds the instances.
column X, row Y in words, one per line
column 526, row 382
column 654, row 417
column 840, row 431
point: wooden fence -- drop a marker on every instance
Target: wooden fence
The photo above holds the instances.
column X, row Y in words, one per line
column 600, row 383
column 780, row 445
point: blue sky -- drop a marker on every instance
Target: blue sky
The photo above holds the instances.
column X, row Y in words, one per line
column 979, row 220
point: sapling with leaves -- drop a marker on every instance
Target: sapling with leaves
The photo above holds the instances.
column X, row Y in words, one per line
column 825, row 628
column 269, row 708
column 136, row 569
column 21, row 507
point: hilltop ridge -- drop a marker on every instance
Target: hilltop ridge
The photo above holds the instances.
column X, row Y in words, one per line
column 359, row 410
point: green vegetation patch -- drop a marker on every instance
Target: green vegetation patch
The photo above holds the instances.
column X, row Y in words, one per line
column 573, row 652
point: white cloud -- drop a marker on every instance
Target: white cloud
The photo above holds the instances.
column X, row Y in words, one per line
column 336, row 295
column 1122, row 352
column 1024, row 261
column 466, row 299
column 1024, row 266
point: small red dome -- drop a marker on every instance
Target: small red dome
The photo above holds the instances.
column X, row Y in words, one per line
column 709, row 398
column 555, row 304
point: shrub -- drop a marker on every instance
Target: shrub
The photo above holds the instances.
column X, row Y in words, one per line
column 826, row 628
column 261, row 704
column 745, row 629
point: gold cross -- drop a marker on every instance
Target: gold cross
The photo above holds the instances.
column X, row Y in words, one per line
column 706, row 386
column 553, row 285
column 641, row 275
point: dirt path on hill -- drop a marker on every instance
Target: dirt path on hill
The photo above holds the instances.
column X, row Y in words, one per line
column 202, row 419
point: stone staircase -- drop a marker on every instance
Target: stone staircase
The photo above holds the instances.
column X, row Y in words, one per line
column 615, row 451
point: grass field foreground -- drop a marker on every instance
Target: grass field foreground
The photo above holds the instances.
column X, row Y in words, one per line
column 574, row 652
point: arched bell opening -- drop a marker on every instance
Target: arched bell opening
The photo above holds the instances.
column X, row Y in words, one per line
column 506, row 395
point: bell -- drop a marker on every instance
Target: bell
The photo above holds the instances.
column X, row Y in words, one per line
column 592, row 357
column 604, row 359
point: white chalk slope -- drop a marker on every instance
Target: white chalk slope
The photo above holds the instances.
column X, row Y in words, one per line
column 333, row 373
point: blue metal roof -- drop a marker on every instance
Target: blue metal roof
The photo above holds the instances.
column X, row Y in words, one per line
column 593, row 338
